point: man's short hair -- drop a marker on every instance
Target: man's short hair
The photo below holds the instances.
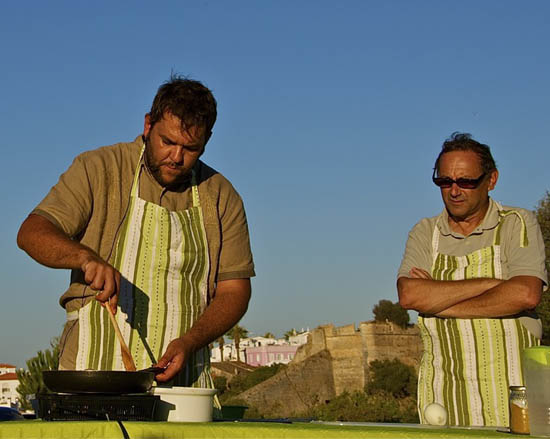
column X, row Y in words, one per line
column 464, row 142
column 187, row 99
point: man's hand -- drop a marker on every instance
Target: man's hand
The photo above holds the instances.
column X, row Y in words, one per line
column 102, row 277
column 50, row 246
column 174, row 359
column 419, row 273
column 510, row 297
column 470, row 298
column 225, row 310
column 425, row 295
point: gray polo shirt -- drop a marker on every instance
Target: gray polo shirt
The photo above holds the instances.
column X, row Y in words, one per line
column 516, row 261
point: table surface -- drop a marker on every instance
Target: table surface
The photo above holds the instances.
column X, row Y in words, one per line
column 30, row 429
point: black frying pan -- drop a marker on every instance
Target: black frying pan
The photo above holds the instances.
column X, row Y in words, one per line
column 100, row 381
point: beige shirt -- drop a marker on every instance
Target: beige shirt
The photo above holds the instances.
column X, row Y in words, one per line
column 91, row 198
column 516, row 261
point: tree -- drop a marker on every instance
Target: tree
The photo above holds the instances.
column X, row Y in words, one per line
column 30, row 380
column 291, row 333
column 543, row 310
column 221, row 342
column 363, row 407
column 269, row 335
column 385, row 310
column 236, row 334
column 393, row 377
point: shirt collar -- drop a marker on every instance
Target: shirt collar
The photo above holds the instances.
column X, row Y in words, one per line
column 490, row 221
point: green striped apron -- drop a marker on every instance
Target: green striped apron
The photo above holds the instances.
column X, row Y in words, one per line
column 468, row 364
column 163, row 260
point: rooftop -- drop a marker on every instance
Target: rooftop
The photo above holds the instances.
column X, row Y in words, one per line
column 8, row 376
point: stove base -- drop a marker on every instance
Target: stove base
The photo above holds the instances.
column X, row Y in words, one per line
column 74, row 407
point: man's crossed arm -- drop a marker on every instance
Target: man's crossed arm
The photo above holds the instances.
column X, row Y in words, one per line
column 471, row 298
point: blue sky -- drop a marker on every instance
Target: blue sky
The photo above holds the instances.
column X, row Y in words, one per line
column 331, row 115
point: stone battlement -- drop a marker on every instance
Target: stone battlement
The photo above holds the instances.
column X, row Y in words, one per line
column 341, row 356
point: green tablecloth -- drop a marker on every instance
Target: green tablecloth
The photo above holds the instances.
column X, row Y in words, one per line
column 31, row 429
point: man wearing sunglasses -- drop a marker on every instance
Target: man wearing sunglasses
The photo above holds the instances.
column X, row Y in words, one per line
column 474, row 273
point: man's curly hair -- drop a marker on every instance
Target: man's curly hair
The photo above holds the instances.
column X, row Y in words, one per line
column 464, row 142
column 187, row 99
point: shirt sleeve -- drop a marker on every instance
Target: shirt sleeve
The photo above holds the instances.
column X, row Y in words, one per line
column 69, row 203
column 418, row 250
column 528, row 260
column 235, row 254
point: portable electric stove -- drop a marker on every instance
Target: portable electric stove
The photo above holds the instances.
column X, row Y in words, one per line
column 95, row 406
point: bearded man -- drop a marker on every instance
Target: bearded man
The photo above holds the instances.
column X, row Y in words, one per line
column 148, row 229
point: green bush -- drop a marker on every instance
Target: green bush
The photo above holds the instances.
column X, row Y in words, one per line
column 543, row 309
column 392, row 377
column 393, row 312
column 362, row 407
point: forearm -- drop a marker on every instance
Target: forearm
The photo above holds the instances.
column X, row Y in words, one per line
column 509, row 298
column 48, row 245
column 434, row 296
column 225, row 310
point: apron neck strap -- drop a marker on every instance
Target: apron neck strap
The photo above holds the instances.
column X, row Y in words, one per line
column 435, row 238
column 523, row 240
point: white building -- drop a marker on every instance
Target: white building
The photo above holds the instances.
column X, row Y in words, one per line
column 8, row 386
column 300, row 338
column 274, row 346
column 229, row 352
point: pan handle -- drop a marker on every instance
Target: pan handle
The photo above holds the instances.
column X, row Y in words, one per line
column 155, row 370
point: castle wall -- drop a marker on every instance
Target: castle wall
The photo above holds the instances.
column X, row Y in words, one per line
column 334, row 360
column 386, row 341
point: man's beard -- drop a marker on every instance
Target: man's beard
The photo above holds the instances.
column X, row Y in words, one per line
column 154, row 168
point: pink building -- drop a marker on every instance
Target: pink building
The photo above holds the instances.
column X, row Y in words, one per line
column 270, row 354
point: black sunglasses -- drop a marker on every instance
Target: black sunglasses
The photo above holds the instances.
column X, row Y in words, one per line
column 464, row 183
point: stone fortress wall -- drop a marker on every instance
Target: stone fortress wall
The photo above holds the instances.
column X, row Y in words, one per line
column 334, row 360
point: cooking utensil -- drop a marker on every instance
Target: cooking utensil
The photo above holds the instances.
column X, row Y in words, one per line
column 127, row 359
column 104, row 381
column 99, row 381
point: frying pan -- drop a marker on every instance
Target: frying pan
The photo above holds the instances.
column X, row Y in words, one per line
column 100, row 381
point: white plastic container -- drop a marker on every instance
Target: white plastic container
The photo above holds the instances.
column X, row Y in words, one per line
column 184, row 404
column 536, row 370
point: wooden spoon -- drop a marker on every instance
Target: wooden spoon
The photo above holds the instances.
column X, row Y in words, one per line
column 127, row 359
